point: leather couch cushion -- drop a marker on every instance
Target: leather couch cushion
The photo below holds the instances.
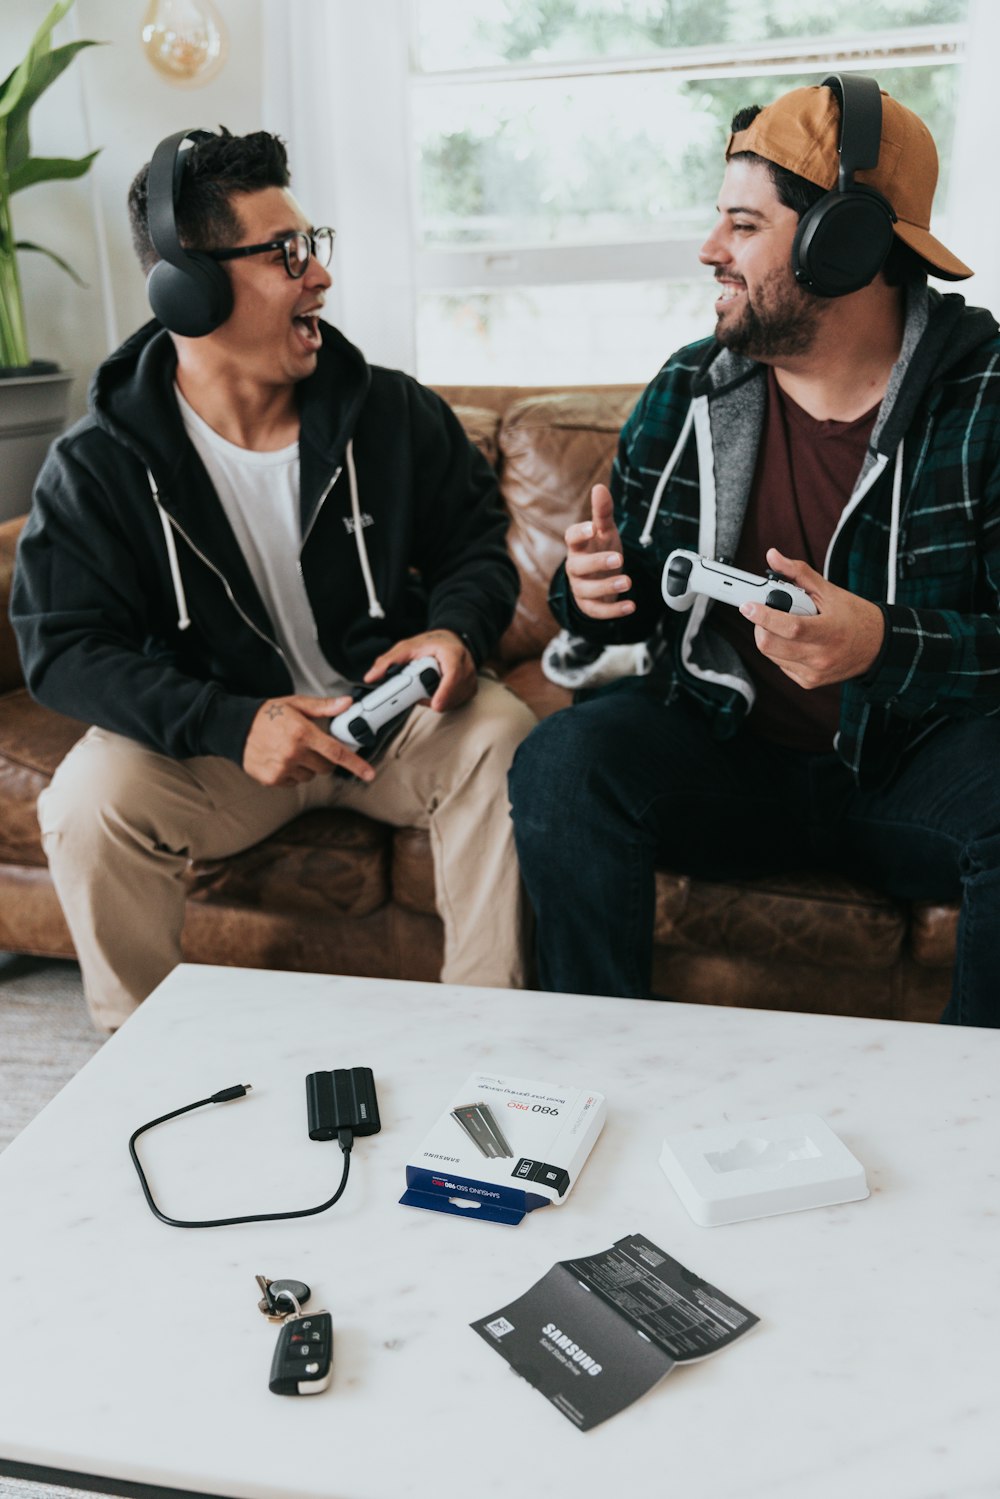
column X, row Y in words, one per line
column 553, row 449
column 482, row 427
column 815, row 920
column 413, row 871
column 810, row 918
column 532, row 686
column 321, row 860
column 33, row 741
column 933, row 933
column 31, row 920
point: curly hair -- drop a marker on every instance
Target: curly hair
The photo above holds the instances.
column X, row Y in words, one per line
column 901, row 265
column 216, row 171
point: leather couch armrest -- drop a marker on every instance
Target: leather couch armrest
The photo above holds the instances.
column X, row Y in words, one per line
column 10, row 667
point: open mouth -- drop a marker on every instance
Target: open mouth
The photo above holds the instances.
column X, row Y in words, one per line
column 306, row 325
column 728, row 291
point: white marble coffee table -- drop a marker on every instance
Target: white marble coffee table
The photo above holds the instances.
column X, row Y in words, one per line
column 135, row 1352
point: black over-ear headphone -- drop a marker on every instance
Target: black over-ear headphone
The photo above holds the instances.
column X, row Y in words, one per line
column 843, row 240
column 189, row 292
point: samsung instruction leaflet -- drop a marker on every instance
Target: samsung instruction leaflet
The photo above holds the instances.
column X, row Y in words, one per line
column 597, row 1332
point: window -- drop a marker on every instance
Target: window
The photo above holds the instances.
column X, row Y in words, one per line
column 521, row 187
column 566, row 156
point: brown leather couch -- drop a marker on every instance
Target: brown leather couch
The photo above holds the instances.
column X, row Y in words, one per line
column 335, row 892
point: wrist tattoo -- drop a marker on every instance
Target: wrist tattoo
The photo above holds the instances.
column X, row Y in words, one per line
column 274, row 710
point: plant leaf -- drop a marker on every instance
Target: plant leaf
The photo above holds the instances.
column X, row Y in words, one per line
column 6, row 85
column 47, row 69
column 15, row 85
column 49, row 169
column 26, row 244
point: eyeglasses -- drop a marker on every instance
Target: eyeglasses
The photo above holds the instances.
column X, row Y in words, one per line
column 296, row 248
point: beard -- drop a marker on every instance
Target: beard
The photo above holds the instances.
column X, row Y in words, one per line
column 781, row 320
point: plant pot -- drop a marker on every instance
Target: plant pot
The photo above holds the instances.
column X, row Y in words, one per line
column 34, row 403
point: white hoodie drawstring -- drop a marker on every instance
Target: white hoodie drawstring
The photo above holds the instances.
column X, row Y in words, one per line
column 375, row 610
column 661, row 483
column 183, row 618
column 897, row 492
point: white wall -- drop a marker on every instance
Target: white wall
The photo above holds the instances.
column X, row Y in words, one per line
column 130, row 108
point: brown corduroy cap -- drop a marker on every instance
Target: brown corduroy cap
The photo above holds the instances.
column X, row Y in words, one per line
column 800, row 131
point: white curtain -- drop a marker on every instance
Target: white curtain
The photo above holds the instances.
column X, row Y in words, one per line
column 335, row 86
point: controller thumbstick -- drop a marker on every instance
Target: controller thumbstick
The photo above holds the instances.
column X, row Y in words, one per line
column 779, row 599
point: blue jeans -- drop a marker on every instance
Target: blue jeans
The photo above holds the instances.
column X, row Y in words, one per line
column 605, row 791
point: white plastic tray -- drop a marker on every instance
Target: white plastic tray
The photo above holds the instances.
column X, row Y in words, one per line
column 741, row 1171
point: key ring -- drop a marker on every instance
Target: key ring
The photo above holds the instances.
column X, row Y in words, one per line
column 295, row 1291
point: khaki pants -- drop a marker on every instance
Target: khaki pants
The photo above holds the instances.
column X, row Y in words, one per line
column 120, row 823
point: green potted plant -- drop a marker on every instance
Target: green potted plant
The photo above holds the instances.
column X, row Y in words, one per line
column 34, row 394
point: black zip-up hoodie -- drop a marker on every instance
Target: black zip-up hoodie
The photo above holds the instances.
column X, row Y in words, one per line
column 100, row 616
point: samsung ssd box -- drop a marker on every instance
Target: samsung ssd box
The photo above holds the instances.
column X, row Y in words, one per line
column 503, row 1146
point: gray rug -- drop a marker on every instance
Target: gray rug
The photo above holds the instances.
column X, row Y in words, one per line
column 45, row 1036
column 15, row 1488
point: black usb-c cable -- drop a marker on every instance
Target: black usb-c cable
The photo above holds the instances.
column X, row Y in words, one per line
column 341, row 1104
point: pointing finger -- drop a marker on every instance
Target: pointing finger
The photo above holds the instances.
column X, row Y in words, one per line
column 602, row 510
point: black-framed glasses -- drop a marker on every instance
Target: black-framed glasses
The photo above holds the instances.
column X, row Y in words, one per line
column 296, row 248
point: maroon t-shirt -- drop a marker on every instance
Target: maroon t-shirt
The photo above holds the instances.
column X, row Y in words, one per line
column 806, row 472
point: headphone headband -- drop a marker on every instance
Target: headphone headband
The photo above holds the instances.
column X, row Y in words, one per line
column 166, row 171
column 188, row 291
column 860, row 139
column 843, row 239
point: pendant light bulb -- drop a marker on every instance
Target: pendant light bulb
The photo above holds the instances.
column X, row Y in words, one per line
column 185, row 40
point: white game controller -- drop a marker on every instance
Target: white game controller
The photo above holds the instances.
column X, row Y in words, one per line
column 358, row 726
column 685, row 573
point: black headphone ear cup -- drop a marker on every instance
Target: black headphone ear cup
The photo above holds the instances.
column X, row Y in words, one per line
column 192, row 301
column 842, row 242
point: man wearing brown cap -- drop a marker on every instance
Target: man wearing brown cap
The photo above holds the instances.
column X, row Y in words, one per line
column 842, row 429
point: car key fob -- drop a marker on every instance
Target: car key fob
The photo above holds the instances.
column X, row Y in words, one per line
column 303, row 1357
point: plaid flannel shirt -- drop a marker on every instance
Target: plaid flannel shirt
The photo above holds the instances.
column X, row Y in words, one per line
column 941, row 653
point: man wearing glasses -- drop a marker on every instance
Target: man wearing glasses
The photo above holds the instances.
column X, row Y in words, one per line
column 251, row 523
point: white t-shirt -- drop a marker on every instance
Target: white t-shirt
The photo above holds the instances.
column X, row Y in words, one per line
column 260, row 494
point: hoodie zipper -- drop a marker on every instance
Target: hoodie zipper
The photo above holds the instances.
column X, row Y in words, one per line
column 315, row 515
column 375, row 609
column 298, row 561
column 222, row 579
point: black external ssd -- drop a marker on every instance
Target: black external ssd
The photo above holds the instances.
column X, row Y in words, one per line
column 342, row 1099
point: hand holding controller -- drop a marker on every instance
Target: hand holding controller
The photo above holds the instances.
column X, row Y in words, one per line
column 685, row 573
column 413, row 682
